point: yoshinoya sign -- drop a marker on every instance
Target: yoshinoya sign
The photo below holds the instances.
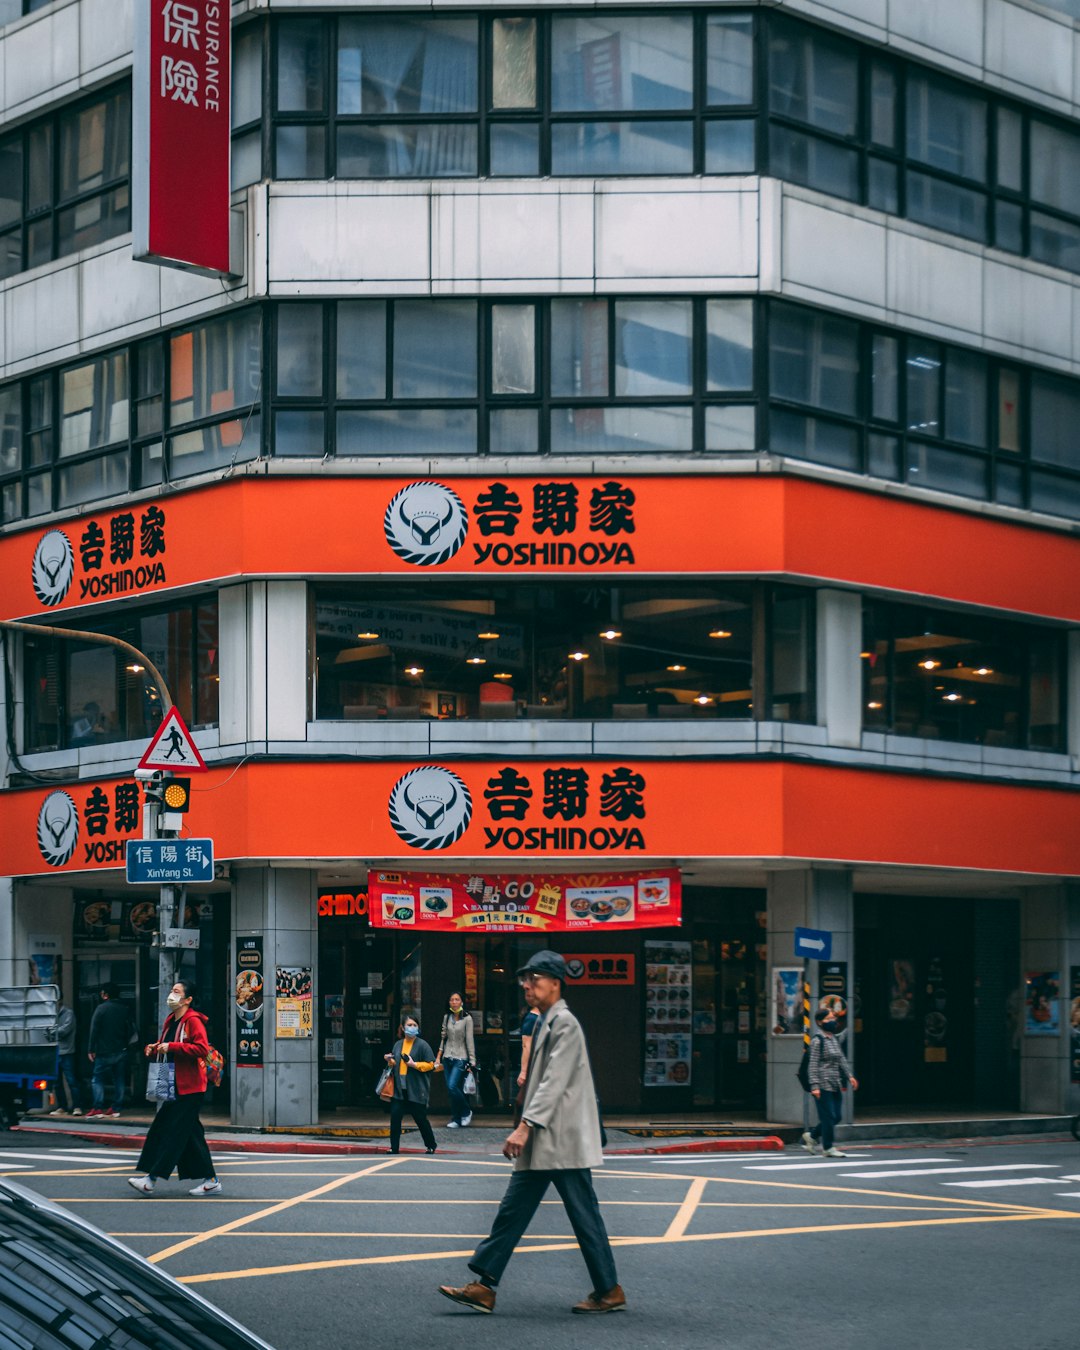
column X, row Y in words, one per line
column 111, row 556
column 503, row 903
column 87, row 825
column 181, row 135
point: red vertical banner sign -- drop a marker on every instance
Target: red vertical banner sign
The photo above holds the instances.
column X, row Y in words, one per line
column 180, row 134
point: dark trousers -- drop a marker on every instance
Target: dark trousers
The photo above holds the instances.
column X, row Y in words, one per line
column 830, row 1109
column 520, row 1203
column 176, row 1139
column 398, row 1107
column 109, row 1070
column 69, row 1076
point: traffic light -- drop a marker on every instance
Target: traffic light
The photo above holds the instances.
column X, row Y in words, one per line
column 176, row 796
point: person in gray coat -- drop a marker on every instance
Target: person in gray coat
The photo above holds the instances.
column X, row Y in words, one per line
column 557, row 1143
column 67, row 1075
column 411, row 1060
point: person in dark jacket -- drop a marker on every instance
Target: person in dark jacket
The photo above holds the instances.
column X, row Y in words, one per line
column 110, row 1032
column 411, row 1060
column 830, row 1073
column 176, row 1138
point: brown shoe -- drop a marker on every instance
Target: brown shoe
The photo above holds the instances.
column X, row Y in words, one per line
column 613, row 1301
column 476, row 1296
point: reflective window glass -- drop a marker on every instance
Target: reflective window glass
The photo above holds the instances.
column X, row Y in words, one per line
column 814, row 438
column 406, row 431
column 435, row 349
column 514, row 149
column 885, row 378
column 621, row 147
column 815, row 163
column 1055, row 166
column 946, row 128
column 513, row 349
column 11, row 180
column 513, row 62
column 883, row 105
column 924, row 387
column 361, row 349
column 1055, row 241
column 730, row 427
column 813, row 359
column 813, row 79
column 1010, row 149
column 301, row 152
column 387, row 66
column 946, row 206
column 215, row 368
column 301, row 65
column 10, row 427
column 730, row 145
column 607, row 63
column 622, row 430
column 247, row 75
column 94, row 145
column 932, row 466
column 94, row 404
column 729, row 60
column 407, row 150
column 729, row 345
column 1008, row 432
column 299, row 351
column 965, row 397
column 579, row 348
column 652, row 347
column 1055, row 416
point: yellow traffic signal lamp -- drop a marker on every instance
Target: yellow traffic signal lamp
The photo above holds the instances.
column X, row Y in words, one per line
column 176, row 794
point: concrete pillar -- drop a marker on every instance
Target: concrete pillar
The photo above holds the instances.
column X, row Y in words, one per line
column 1072, row 697
column 1049, row 937
column 279, row 905
column 811, row 897
column 7, row 931
column 263, row 694
column 839, row 667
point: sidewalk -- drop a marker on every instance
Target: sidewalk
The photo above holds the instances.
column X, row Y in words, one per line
column 366, row 1132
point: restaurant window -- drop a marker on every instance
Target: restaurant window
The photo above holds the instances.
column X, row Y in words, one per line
column 941, row 675
column 561, row 650
column 82, row 694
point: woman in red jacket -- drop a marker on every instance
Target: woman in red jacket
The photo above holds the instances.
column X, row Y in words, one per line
column 176, row 1138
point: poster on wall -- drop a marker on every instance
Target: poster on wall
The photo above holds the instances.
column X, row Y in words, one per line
column 935, row 1022
column 249, row 1002
column 1042, row 1008
column 1074, row 1024
column 901, row 990
column 668, row 1014
column 293, row 1003
column 787, row 982
column 500, row 903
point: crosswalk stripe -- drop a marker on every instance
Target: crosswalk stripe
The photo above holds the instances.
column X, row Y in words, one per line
column 944, row 1171
column 853, row 1160
column 1008, row 1181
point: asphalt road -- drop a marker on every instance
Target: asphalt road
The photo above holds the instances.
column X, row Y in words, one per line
column 891, row 1248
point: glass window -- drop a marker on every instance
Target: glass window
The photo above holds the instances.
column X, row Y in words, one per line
column 923, row 387
column 883, row 105
column 91, row 479
column 621, row 63
column 11, row 181
column 1055, row 410
column 216, row 367
column 791, row 648
column 39, row 440
column 301, row 65
column 965, row 397
column 1054, row 241
column 579, row 348
column 593, row 148
column 513, row 62
column 407, row 431
column 730, row 145
column 514, row 431
column 407, row 150
column 94, row 404
column 946, row 127
column 885, row 378
column 883, row 457
column 407, row 65
column 945, row 206
column 247, row 75
column 215, row 447
column 435, row 349
column 1008, row 409
column 729, row 349
column 813, row 359
column 514, row 150
column 39, row 157
column 300, row 432
column 882, row 185
column 815, row 163
column 513, row 349
column 361, row 349
column 652, row 347
column 1055, row 166
column 150, row 367
column 730, row 427
column 301, row 152
column 94, row 145
column 932, row 466
column 1009, row 226
column 10, row 427
column 300, row 351
column 815, row 439
column 729, row 60
column 813, row 79
column 625, row 430
column 1010, row 150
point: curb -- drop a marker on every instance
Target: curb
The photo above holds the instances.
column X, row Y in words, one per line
column 302, row 1146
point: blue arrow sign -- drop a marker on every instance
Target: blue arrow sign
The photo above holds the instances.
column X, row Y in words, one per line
column 169, row 862
column 812, row 942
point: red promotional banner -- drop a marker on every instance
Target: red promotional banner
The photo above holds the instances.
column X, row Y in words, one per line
column 180, row 134
column 438, row 902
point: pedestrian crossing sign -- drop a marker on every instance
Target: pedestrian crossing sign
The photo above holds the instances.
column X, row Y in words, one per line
column 172, row 747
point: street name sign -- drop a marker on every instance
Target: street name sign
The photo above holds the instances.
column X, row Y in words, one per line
column 814, row 943
column 170, row 862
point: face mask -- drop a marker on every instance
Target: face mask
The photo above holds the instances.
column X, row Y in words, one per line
column 836, row 1028
column 174, row 1001
column 411, row 1031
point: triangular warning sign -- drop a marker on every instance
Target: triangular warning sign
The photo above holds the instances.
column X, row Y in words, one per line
column 172, row 747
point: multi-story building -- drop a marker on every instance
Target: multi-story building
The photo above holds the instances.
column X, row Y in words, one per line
column 636, row 450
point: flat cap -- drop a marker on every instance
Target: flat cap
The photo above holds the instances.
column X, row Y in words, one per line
column 545, row 963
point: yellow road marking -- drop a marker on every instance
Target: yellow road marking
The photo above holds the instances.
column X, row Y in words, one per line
column 342, row 1263
column 274, row 1209
column 681, row 1221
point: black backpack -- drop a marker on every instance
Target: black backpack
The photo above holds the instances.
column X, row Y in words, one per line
column 802, row 1073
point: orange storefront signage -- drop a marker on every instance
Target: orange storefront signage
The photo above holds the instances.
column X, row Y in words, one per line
column 703, row 525
column 609, row 814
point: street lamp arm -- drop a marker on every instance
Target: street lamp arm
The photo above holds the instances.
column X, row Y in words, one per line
column 105, row 639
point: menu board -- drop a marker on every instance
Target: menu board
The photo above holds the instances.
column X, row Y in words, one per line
column 668, row 1013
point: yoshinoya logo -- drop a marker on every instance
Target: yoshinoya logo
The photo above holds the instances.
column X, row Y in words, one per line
column 426, row 523
column 430, row 807
column 53, row 567
column 58, row 828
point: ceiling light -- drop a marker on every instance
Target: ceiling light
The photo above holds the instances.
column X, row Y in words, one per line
column 487, row 637
column 865, row 656
column 476, row 661
column 502, row 675
column 136, row 669
column 719, row 633
column 578, row 656
column 929, row 664
column 703, row 699
column 414, row 670
column 983, row 670
column 368, row 637
column 951, row 698
column 873, row 705
column 676, row 667
column 610, row 634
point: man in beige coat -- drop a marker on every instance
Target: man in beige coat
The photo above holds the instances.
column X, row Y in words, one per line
column 557, row 1143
